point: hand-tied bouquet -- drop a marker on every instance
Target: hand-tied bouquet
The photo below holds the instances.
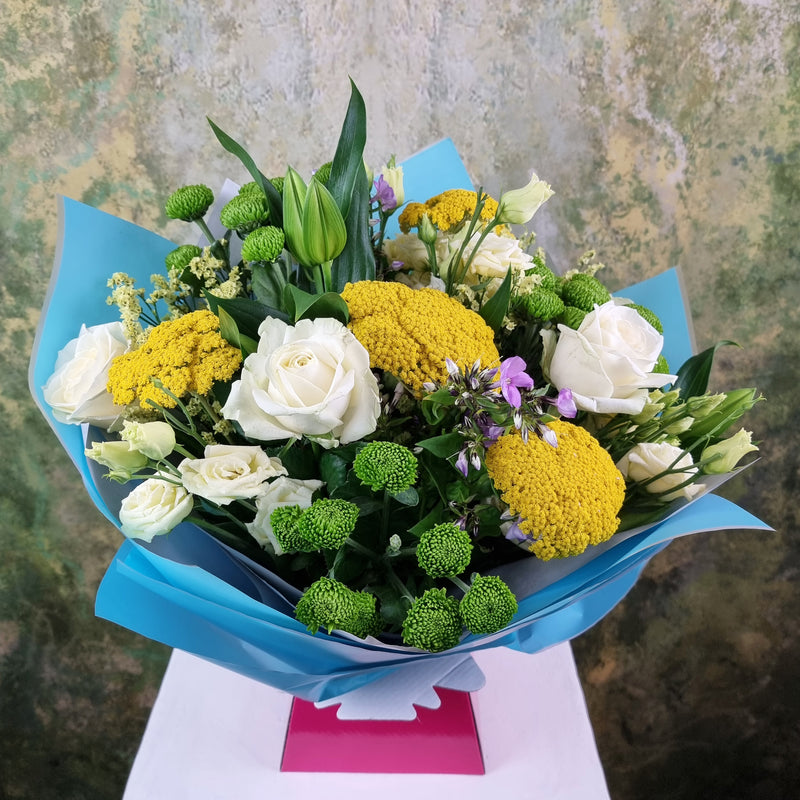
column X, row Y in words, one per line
column 386, row 421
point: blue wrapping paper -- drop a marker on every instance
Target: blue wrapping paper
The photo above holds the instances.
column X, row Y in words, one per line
column 189, row 591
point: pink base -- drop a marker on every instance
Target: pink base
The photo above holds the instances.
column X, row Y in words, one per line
column 439, row 741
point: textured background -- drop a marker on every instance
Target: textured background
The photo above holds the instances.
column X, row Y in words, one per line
column 669, row 131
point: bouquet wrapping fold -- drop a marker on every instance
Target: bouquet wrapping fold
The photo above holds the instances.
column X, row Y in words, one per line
column 190, row 591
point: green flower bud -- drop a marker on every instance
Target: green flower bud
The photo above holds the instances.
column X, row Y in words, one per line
column 426, row 230
column 648, row 316
column 444, row 551
column 584, row 291
column 327, row 604
column 178, row 259
column 488, row 606
column 726, row 413
column 386, row 465
column 542, row 304
column 519, row 205
column 154, row 440
column 119, row 458
column 701, row 406
column 678, row 427
column 314, row 226
column 393, row 175
column 263, row 244
column 572, row 317
column 244, row 213
column 189, row 202
column 725, row 455
column 433, row 622
column 328, row 523
column 284, row 521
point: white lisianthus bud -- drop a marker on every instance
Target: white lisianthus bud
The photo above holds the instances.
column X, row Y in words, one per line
column 153, row 508
column 118, row 457
column 517, row 206
column 663, row 468
column 394, row 177
column 725, row 455
column 155, row 440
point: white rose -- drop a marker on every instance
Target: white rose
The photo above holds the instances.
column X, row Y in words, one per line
column 76, row 390
column 281, row 492
column 310, row 380
column 229, row 472
column 154, row 507
column 607, row 362
column 648, row 459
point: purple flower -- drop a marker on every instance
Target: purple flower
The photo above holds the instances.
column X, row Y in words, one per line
column 565, row 404
column 462, row 462
column 514, row 533
column 384, row 194
column 513, row 378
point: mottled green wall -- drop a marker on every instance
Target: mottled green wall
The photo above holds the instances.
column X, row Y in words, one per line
column 671, row 133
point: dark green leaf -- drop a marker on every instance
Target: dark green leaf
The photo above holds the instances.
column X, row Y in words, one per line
column 349, row 157
column 333, row 470
column 692, row 380
column 409, row 497
column 274, row 201
column 230, row 333
column 247, row 314
column 495, row 308
column 427, row 522
column 302, row 305
column 356, row 262
column 443, row 446
column 267, row 283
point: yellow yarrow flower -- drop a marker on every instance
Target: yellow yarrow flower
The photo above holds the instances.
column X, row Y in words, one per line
column 446, row 210
column 567, row 497
column 410, row 332
column 187, row 354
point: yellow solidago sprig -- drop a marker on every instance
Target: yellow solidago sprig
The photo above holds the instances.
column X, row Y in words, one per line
column 186, row 355
column 566, row 497
column 411, row 333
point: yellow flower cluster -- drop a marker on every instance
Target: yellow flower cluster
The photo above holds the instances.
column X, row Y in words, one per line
column 410, row 332
column 446, row 210
column 567, row 496
column 186, row 354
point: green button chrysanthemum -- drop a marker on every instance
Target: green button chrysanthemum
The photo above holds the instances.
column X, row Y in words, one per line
column 328, row 523
column 244, row 213
column 444, row 551
column 178, row 259
column 648, row 316
column 549, row 279
column 433, row 622
column 367, row 621
column 189, row 202
column 488, row 606
column 251, row 188
column 542, row 304
column 324, row 172
column 284, row 521
column 263, row 244
column 583, row 291
column 386, row 465
column 572, row 317
column 327, row 604
column 278, row 183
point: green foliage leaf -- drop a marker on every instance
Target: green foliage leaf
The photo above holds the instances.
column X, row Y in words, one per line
column 692, row 380
column 274, row 201
column 268, row 283
column 333, row 470
column 356, row 262
column 410, row 497
column 230, row 333
column 349, row 158
column 443, row 446
column 247, row 314
column 303, row 305
column 427, row 522
column 495, row 308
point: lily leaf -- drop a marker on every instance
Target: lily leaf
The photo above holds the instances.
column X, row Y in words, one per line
column 496, row 307
column 349, row 157
column 274, row 201
column 692, row 380
column 302, row 305
column 356, row 262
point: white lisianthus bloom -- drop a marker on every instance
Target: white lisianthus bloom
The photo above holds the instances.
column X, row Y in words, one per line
column 725, row 455
column 495, row 256
column 229, row 472
column 155, row 440
column 280, row 492
column 607, row 361
column 76, row 391
column 648, row 459
column 409, row 250
column 153, row 508
column 121, row 461
column 311, row 380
